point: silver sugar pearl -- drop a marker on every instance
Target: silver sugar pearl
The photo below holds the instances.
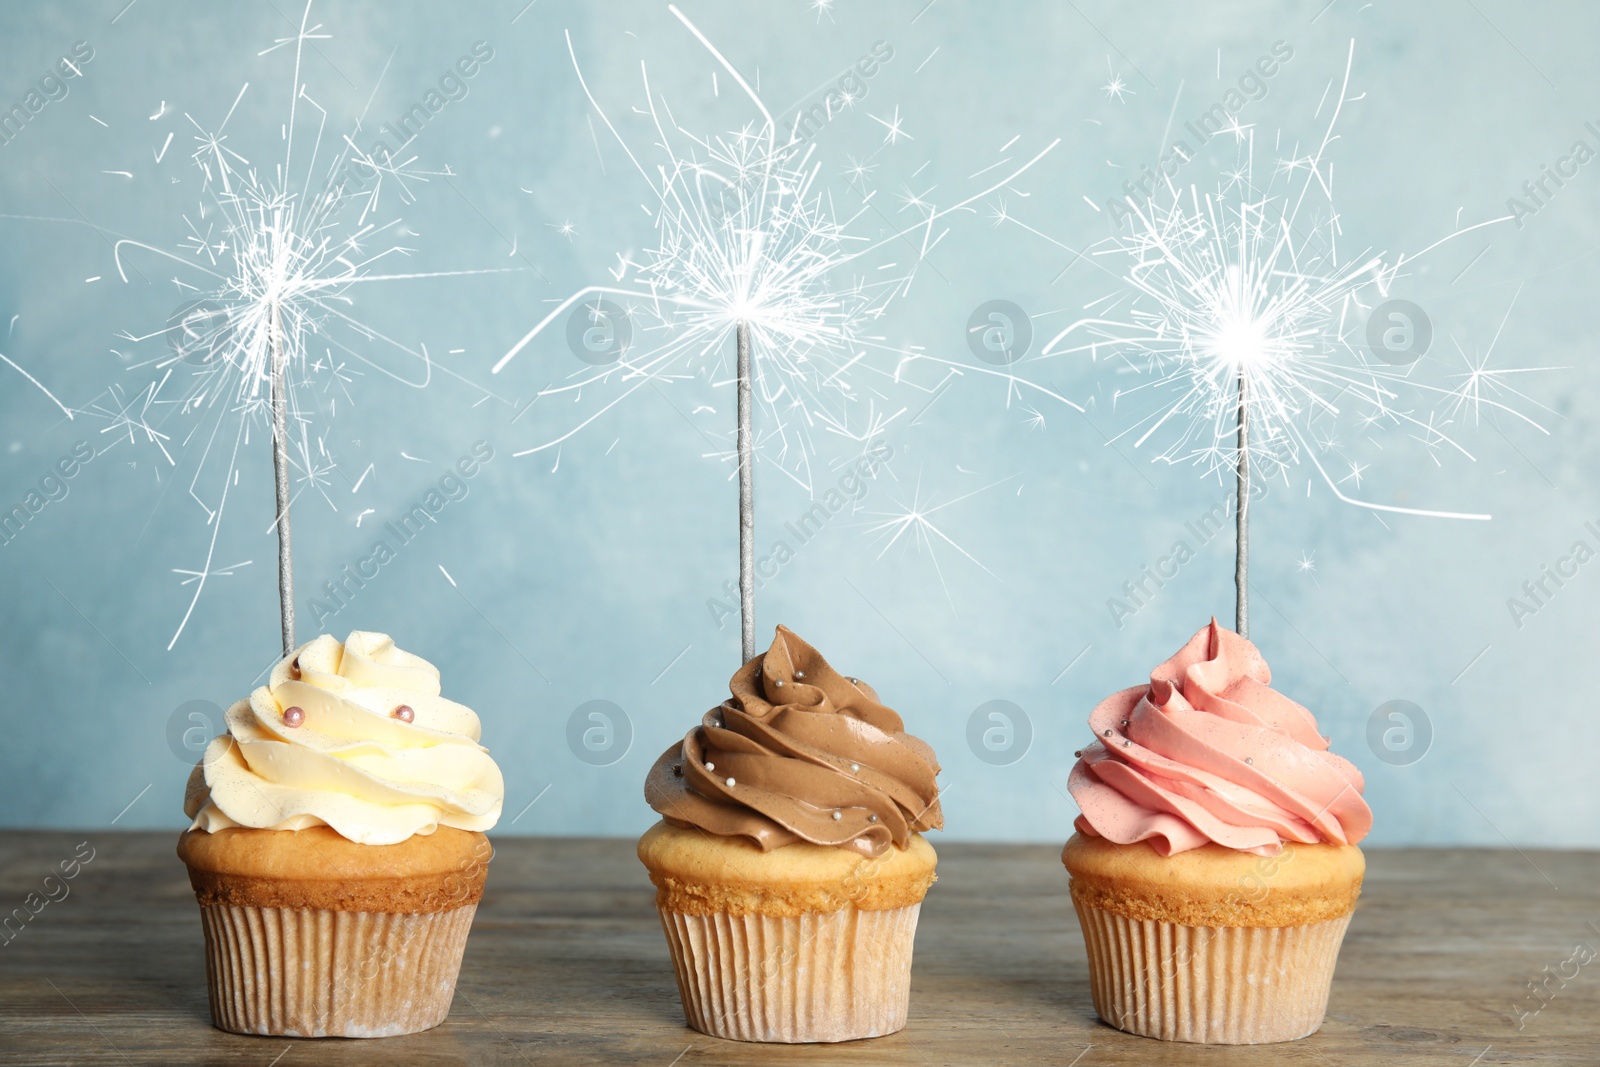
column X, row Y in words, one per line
column 1078, row 754
column 710, row 766
column 799, row 676
column 1108, row 733
column 872, row 818
column 1250, row 761
column 837, row 816
column 1124, row 722
column 854, row 767
column 1127, row 744
column 730, row 781
column 778, row 684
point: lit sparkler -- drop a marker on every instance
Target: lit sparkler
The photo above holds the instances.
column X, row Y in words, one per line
column 749, row 254
column 279, row 249
column 1244, row 317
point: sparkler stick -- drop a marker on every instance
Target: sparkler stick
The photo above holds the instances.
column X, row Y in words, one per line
column 280, row 478
column 747, row 502
column 1241, row 564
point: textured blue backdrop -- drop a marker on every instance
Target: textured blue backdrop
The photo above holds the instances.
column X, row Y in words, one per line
column 584, row 576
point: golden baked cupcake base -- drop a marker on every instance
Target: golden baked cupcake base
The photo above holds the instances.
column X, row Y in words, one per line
column 700, row 874
column 311, row 935
column 805, row 943
column 1212, row 945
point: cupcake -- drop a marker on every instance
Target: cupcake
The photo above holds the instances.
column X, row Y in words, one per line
column 337, row 848
column 788, row 866
column 1215, row 867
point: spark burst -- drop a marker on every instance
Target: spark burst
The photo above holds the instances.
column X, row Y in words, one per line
column 750, row 254
column 1245, row 322
column 279, row 249
column 1115, row 88
column 916, row 523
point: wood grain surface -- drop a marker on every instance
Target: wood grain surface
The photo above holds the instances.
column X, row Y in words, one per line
column 567, row 965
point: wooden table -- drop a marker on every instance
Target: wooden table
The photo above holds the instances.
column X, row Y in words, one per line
column 567, row 965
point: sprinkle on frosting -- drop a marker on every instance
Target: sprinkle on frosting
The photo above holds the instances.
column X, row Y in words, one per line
column 788, row 755
column 1181, row 778
column 324, row 744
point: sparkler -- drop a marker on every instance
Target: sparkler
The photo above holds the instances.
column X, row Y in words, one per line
column 280, row 251
column 748, row 250
column 1239, row 305
column 743, row 250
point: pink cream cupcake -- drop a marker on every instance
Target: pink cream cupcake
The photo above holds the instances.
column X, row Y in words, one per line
column 1215, row 866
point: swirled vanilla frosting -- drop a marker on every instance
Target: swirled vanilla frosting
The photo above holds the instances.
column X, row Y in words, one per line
column 1210, row 752
column 354, row 736
column 799, row 752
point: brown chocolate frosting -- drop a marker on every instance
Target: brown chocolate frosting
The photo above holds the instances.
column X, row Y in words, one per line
column 799, row 753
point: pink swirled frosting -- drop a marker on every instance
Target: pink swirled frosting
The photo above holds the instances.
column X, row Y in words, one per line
column 1209, row 752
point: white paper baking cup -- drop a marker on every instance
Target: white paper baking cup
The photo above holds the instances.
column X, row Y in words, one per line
column 307, row 972
column 833, row 976
column 1234, row 985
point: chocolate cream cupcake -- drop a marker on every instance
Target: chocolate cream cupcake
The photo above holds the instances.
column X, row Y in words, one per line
column 788, row 863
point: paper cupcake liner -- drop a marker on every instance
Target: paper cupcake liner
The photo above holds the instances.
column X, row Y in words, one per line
column 834, row 976
column 1216, row 985
column 305, row 972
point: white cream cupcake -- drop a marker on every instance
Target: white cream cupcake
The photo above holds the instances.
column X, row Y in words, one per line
column 337, row 849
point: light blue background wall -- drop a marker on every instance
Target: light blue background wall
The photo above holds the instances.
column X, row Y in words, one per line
column 588, row 579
